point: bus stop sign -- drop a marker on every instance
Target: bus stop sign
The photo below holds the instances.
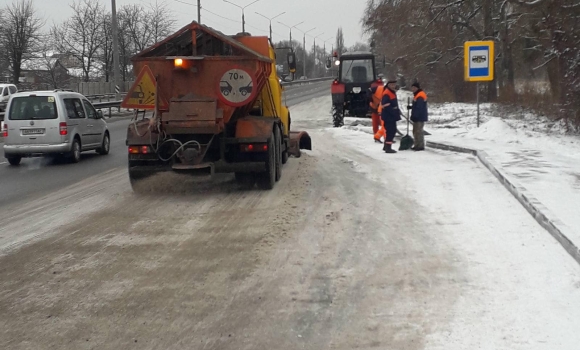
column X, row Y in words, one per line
column 479, row 61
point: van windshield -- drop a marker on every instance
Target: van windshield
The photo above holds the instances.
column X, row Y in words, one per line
column 33, row 107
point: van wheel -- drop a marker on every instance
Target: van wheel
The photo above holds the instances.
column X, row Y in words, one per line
column 14, row 160
column 75, row 152
column 105, row 146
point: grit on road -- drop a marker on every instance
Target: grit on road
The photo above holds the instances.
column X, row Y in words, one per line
column 334, row 257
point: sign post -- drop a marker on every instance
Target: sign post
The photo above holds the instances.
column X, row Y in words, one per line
column 479, row 60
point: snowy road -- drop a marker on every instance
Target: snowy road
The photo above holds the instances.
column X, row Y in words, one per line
column 353, row 249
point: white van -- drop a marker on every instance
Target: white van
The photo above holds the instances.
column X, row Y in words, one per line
column 41, row 123
column 7, row 90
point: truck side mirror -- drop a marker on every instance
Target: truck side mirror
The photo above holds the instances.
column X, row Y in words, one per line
column 292, row 62
column 328, row 63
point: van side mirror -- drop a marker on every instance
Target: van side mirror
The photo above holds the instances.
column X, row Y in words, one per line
column 100, row 114
column 292, row 62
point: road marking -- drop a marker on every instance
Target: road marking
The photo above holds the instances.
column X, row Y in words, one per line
column 3, row 163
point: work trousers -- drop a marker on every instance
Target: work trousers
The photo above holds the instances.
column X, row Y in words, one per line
column 376, row 118
column 419, row 134
column 391, row 126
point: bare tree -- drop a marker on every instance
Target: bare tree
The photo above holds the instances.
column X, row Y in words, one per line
column 146, row 26
column 339, row 41
column 81, row 35
column 53, row 71
column 19, row 33
column 106, row 46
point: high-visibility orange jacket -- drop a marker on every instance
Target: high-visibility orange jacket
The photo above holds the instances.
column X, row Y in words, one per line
column 377, row 97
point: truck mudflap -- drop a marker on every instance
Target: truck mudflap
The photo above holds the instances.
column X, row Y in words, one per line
column 299, row 140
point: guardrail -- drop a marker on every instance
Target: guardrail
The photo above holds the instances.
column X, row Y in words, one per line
column 306, row 81
column 105, row 99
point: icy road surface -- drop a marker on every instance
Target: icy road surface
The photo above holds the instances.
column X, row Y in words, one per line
column 353, row 249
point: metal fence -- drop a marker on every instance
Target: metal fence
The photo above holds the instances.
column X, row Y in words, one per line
column 110, row 101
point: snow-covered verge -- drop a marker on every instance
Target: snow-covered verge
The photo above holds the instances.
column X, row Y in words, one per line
column 511, row 285
column 539, row 154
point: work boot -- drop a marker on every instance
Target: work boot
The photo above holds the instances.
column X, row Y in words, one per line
column 378, row 140
column 388, row 148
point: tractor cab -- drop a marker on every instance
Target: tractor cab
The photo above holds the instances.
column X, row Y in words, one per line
column 350, row 91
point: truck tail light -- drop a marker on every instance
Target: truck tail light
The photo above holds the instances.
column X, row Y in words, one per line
column 254, row 147
column 63, row 130
column 5, row 130
column 139, row 150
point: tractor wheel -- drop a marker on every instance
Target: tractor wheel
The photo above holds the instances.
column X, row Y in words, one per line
column 337, row 116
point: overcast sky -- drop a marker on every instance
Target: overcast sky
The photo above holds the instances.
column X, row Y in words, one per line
column 325, row 15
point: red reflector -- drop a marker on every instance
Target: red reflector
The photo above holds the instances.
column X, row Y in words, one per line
column 250, row 148
column 134, row 149
column 145, row 149
column 265, row 147
column 63, row 129
column 5, row 130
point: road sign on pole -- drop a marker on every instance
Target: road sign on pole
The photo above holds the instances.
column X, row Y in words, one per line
column 479, row 60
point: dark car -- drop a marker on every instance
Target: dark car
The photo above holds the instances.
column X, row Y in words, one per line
column 245, row 90
column 225, row 88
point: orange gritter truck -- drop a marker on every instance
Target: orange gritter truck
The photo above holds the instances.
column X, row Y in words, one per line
column 217, row 108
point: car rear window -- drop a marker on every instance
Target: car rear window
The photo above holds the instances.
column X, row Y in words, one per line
column 33, row 107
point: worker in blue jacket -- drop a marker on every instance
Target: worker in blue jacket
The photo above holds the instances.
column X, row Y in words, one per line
column 419, row 116
column 390, row 114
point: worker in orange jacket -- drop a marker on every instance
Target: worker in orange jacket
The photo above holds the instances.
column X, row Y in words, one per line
column 376, row 108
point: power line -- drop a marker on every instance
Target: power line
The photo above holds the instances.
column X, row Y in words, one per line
column 220, row 16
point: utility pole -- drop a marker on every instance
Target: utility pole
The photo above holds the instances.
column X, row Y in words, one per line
column 116, row 69
column 199, row 11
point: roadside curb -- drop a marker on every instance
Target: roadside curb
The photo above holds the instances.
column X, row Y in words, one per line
column 541, row 214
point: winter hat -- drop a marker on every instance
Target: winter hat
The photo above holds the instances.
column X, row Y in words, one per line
column 417, row 85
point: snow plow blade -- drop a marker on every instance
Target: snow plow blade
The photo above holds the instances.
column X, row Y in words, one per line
column 299, row 140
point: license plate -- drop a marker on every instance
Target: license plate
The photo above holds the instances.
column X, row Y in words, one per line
column 32, row 131
column 356, row 90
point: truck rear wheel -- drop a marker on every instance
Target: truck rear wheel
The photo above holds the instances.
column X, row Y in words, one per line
column 266, row 180
column 246, row 180
column 278, row 143
column 136, row 176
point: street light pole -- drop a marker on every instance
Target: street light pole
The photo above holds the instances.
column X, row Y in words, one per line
column 243, row 14
column 199, row 11
column 314, row 53
column 270, row 19
column 325, row 41
column 304, row 47
column 115, row 29
column 294, row 26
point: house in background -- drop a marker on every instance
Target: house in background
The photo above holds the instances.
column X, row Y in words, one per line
column 44, row 73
